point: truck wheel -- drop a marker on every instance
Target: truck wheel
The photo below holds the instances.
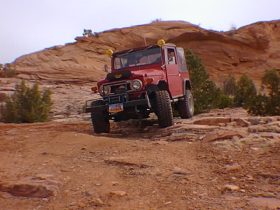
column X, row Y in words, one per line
column 164, row 109
column 100, row 118
column 186, row 106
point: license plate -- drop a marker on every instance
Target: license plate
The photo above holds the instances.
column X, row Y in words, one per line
column 114, row 108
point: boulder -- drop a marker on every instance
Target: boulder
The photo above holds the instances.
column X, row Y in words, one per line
column 27, row 190
column 223, row 134
column 231, row 187
column 212, row 121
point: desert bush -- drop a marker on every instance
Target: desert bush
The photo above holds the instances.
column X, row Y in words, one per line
column 259, row 105
column 157, row 20
column 27, row 105
column 3, row 98
column 268, row 104
column 87, row 32
column 271, row 80
column 245, row 92
column 229, row 86
column 206, row 94
column 7, row 70
column 225, row 101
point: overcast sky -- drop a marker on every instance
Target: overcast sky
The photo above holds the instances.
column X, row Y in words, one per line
column 31, row 25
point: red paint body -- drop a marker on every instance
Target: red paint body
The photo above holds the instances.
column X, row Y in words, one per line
column 172, row 74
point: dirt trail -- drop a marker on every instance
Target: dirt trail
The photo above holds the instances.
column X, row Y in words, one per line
column 214, row 161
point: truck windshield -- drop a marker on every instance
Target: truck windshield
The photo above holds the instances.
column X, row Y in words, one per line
column 138, row 58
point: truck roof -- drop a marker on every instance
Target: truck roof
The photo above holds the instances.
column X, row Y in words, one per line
column 142, row 48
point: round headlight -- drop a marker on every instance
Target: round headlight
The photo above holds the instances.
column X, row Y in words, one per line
column 136, row 84
column 106, row 89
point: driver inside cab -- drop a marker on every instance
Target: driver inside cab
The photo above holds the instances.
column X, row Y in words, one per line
column 171, row 56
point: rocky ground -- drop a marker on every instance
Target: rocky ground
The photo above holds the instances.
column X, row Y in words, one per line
column 224, row 159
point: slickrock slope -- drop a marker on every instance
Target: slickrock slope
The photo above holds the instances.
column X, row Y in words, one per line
column 84, row 60
column 251, row 49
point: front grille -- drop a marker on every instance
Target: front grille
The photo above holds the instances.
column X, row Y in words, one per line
column 120, row 88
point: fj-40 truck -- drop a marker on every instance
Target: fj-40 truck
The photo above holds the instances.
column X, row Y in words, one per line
column 143, row 80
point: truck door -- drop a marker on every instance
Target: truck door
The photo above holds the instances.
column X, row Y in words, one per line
column 175, row 81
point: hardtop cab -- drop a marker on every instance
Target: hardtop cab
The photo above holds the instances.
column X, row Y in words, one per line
column 143, row 80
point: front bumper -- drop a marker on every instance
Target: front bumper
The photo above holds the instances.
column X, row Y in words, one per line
column 117, row 99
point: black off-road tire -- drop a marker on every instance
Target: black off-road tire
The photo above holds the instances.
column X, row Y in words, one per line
column 163, row 109
column 186, row 106
column 100, row 118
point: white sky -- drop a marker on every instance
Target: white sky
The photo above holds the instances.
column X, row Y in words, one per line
column 31, row 25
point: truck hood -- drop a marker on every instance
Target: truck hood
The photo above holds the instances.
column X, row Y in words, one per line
column 150, row 73
column 130, row 74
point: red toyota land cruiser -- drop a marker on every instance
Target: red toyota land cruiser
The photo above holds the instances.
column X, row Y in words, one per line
column 143, row 80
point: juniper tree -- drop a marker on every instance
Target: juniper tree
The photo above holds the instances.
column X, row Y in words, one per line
column 206, row 94
column 245, row 92
column 27, row 105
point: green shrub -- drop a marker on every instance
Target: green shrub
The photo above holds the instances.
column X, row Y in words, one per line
column 268, row 104
column 271, row 80
column 259, row 105
column 229, row 86
column 225, row 101
column 273, row 107
column 27, row 105
column 7, row 70
column 245, row 92
column 205, row 92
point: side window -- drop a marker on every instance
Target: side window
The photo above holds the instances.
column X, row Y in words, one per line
column 171, row 56
column 182, row 59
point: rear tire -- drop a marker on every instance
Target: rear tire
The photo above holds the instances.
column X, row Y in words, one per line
column 100, row 118
column 164, row 109
column 186, row 106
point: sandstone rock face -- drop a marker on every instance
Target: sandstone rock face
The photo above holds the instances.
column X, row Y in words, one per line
column 84, row 60
column 251, row 49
